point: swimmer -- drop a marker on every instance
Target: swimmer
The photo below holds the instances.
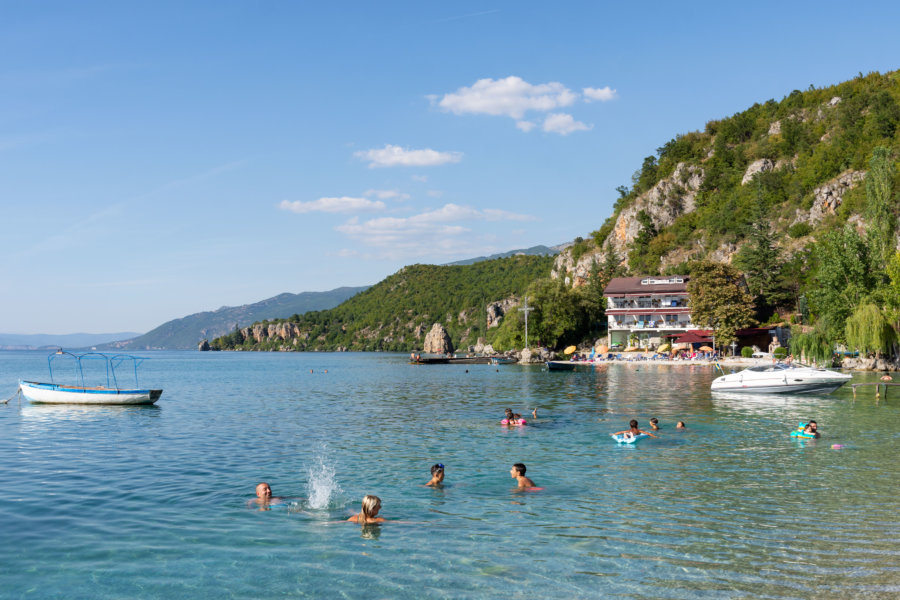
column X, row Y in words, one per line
column 680, row 425
column 885, row 378
column 370, row 507
column 264, row 497
column 534, row 413
column 654, row 424
column 517, row 472
column 437, row 476
column 634, row 430
column 812, row 429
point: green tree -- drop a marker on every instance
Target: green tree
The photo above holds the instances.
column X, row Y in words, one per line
column 842, row 279
column 869, row 331
column 881, row 213
column 762, row 264
column 639, row 258
column 719, row 300
column 557, row 317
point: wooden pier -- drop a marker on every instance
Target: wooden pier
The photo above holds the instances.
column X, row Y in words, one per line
column 877, row 385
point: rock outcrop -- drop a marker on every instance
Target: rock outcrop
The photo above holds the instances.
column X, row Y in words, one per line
column 437, row 341
column 204, row 346
column 757, row 166
column 497, row 310
column 828, row 197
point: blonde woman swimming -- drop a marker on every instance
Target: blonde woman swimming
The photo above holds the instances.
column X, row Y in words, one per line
column 370, row 507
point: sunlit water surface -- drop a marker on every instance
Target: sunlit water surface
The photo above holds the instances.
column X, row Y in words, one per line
column 151, row 502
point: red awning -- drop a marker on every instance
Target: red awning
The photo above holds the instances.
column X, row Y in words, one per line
column 700, row 336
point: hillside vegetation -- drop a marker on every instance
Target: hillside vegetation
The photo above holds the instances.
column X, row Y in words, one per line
column 187, row 332
column 396, row 313
column 797, row 197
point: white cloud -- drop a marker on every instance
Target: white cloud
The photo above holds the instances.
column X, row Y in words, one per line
column 525, row 126
column 512, row 97
column 436, row 232
column 332, row 205
column 387, row 194
column 564, row 124
column 395, row 156
column 603, row 94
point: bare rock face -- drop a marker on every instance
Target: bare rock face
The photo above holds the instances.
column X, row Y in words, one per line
column 497, row 310
column 775, row 128
column 664, row 202
column 828, row 197
column 204, row 346
column 437, row 341
column 757, row 166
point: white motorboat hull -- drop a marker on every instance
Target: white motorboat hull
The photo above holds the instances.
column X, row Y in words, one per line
column 51, row 393
column 781, row 380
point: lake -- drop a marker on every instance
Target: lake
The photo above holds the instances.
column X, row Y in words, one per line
column 151, row 502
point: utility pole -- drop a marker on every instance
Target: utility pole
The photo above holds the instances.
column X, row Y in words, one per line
column 526, row 309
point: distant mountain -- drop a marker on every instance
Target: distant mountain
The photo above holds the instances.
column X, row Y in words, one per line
column 533, row 251
column 187, row 332
column 14, row 341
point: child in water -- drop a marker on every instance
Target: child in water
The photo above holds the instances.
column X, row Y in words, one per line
column 517, row 472
column 370, row 507
column 654, row 424
column 811, row 429
column 512, row 418
column 634, row 430
column 437, row 476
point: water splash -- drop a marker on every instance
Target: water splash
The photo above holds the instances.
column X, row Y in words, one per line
column 322, row 484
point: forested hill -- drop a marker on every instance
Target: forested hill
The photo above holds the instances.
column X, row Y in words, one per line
column 797, row 197
column 396, row 313
column 800, row 162
column 187, row 332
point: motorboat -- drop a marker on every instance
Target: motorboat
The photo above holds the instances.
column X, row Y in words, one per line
column 781, row 378
column 79, row 393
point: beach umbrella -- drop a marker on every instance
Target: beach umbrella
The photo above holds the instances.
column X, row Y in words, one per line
column 663, row 348
column 569, row 350
column 602, row 349
column 705, row 349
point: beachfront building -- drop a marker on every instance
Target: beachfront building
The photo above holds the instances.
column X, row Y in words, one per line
column 647, row 311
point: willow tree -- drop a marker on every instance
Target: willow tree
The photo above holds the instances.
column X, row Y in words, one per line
column 868, row 330
column 813, row 345
column 719, row 300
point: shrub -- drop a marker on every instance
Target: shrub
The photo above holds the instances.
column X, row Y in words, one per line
column 799, row 230
column 780, row 352
column 746, row 351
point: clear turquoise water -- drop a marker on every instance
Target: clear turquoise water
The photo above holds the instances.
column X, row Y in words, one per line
column 150, row 502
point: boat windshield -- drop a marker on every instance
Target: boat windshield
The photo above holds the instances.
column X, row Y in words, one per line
column 770, row 368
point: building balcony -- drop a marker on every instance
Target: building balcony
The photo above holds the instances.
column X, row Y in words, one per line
column 650, row 326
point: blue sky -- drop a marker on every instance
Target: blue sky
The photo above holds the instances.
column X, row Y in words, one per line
column 160, row 159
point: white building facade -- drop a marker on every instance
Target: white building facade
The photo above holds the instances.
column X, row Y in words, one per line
column 642, row 311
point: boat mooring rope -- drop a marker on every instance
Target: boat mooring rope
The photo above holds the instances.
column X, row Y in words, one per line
column 18, row 392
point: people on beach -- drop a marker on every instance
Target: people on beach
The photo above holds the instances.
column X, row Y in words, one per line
column 811, row 429
column 654, row 424
column 634, row 430
column 369, row 514
column 680, row 425
column 517, row 472
column 437, row 475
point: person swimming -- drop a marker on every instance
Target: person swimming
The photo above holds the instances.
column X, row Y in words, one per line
column 517, row 472
column 437, row 475
column 369, row 514
column 634, row 430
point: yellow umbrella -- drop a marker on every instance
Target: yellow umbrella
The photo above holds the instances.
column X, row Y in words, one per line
column 663, row 348
column 569, row 350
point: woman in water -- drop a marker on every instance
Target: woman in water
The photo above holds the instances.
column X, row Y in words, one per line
column 370, row 507
column 437, row 476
